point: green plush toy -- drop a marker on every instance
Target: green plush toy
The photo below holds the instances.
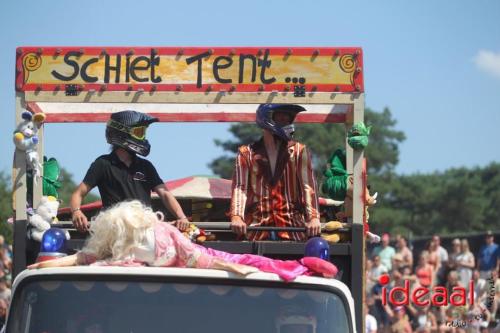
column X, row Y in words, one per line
column 357, row 137
column 51, row 184
column 335, row 184
column 51, row 173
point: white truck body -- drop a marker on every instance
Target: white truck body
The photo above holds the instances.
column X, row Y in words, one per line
column 38, row 286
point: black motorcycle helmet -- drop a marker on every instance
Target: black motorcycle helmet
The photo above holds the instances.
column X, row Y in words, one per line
column 265, row 119
column 127, row 129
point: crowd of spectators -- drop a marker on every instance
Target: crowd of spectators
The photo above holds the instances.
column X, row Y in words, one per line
column 5, row 278
column 388, row 267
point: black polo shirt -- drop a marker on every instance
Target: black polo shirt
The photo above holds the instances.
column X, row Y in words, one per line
column 117, row 182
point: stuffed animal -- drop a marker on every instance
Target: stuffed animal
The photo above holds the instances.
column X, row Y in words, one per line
column 197, row 235
column 44, row 217
column 331, row 232
column 357, row 137
column 338, row 185
column 26, row 139
column 335, row 183
column 370, row 200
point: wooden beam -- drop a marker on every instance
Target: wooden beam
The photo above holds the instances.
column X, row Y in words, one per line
column 100, row 112
column 192, row 98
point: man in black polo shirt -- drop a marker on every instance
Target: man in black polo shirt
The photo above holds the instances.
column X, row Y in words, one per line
column 122, row 175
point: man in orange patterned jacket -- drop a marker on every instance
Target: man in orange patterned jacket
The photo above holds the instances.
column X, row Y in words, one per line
column 273, row 180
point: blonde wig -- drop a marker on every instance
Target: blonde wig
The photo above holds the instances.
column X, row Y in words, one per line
column 117, row 230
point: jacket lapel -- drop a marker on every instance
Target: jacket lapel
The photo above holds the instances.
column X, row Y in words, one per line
column 282, row 161
column 262, row 160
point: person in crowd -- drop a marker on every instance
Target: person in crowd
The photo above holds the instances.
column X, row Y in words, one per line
column 4, row 305
column 402, row 248
column 5, row 260
column 433, row 258
column 377, row 269
column 396, row 281
column 494, row 285
column 453, row 280
column 122, row 175
column 370, row 282
column 424, row 320
column 397, row 262
column 480, row 286
column 443, row 259
column 273, row 180
column 449, row 313
column 400, row 322
column 424, row 271
column 130, row 233
column 454, row 253
column 385, row 252
column 377, row 309
column 488, row 256
column 370, row 321
column 407, row 274
column 465, row 263
column 5, row 292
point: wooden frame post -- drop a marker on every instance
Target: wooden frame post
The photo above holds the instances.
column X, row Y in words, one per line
column 354, row 165
column 19, row 187
column 194, row 84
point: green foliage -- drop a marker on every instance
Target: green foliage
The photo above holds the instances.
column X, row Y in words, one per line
column 456, row 200
column 382, row 152
column 68, row 186
column 5, row 206
column 245, row 134
column 322, row 139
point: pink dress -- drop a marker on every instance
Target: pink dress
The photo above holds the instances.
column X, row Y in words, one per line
column 165, row 246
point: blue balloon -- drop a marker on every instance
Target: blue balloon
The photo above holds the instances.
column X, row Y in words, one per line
column 317, row 247
column 53, row 240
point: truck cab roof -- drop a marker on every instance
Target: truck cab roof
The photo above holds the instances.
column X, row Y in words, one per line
column 37, row 290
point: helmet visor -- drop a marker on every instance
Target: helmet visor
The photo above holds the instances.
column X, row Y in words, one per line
column 136, row 132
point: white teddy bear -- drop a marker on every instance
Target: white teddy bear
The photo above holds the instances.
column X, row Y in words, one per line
column 45, row 216
column 26, row 139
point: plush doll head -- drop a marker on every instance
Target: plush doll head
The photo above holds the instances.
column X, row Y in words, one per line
column 47, row 208
column 26, row 139
column 45, row 215
column 25, row 135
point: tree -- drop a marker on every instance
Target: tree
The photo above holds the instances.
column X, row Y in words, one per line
column 5, row 206
column 323, row 139
column 68, row 186
column 456, row 200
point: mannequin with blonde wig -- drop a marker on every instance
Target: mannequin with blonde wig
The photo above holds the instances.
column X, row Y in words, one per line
column 130, row 233
column 116, row 231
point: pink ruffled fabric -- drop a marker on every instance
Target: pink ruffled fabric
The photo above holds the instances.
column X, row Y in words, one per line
column 288, row 270
column 172, row 249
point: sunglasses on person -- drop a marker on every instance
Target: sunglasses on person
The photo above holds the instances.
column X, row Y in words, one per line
column 137, row 132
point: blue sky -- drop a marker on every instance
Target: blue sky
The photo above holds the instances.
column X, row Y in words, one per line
column 435, row 64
